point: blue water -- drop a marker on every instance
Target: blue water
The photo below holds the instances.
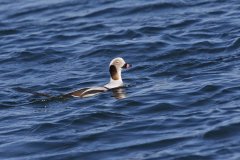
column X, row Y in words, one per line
column 183, row 91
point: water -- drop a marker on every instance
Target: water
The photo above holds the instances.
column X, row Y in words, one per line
column 182, row 95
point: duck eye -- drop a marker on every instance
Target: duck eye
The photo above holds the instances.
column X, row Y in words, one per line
column 117, row 62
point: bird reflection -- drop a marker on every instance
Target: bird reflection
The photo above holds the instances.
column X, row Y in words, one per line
column 119, row 93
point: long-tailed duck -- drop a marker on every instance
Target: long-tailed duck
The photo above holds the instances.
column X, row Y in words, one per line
column 115, row 69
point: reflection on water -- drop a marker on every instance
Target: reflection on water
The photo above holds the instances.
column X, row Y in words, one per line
column 119, row 93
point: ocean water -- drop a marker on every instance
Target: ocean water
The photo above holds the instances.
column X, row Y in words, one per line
column 182, row 95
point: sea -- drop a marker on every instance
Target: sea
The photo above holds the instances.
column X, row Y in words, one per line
column 180, row 101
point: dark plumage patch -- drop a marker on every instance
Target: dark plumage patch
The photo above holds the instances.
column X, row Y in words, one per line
column 78, row 93
column 113, row 72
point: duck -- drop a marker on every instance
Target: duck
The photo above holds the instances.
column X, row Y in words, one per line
column 115, row 69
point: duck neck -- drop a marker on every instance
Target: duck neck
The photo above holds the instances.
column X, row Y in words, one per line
column 115, row 80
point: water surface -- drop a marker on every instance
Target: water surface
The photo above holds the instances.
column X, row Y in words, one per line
column 183, row 93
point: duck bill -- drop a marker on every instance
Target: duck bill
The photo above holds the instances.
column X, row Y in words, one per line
column 126, row 65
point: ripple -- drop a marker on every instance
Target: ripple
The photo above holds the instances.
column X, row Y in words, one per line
column 158, row 108
column 210, row 88
column 126, row 34
column 183, row 23
column 27, row 56
column 94, row 117
column 43, row 127
column 5, row 32
column 147, row 144
column 192, row 157
column 175, row 53
column 221, row 132
column 93, row 27
column 234, row 45
column 101, row 12
column 150, row 30
column 153, row 7
column 28, row 11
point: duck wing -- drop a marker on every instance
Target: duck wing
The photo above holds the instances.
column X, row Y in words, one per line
column 93, row 91
column 77, row 93
column 87, row 92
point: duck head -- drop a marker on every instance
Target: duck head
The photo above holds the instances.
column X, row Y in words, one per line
column 115, row 69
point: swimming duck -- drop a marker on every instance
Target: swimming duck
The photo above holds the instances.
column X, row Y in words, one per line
column 115, row 69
